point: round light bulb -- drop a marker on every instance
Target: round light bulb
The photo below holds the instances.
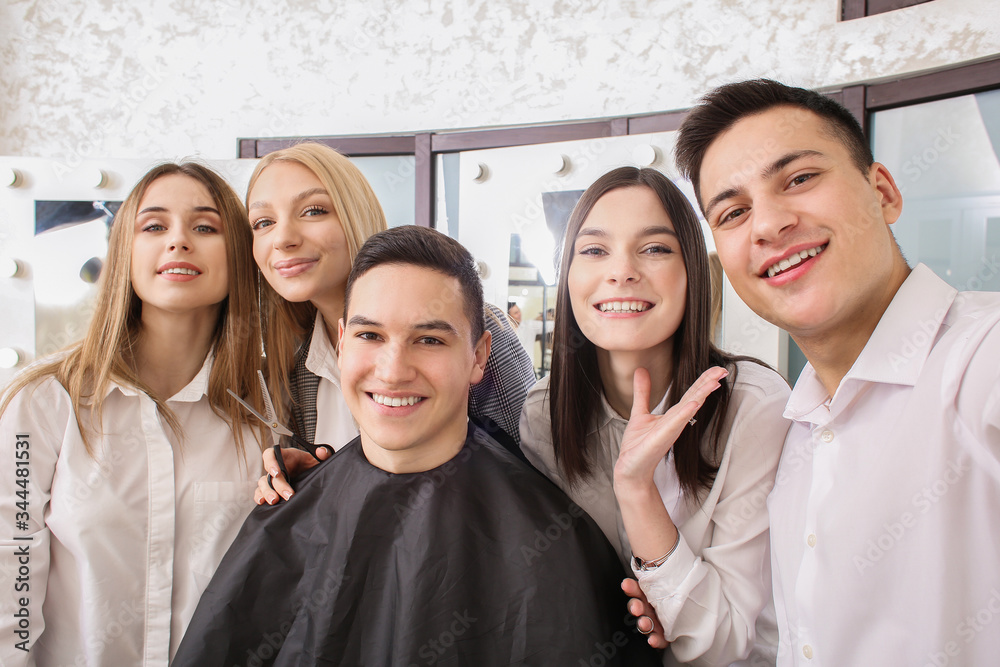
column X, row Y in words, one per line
column 9, row 177
column 645, row 155
column 9, row 267
column 482, row 172
column 558, row 164
column 97, row 178
column 9, row 357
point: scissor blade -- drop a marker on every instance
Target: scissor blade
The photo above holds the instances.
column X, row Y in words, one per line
column 268, row 405
column 271, row 424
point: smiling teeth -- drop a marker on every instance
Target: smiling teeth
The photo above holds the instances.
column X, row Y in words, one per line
column 184, row 272
column 395, row 402
column 623, row 306
column 793, row 260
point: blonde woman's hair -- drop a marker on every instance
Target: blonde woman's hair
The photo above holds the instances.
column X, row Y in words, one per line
column 285, row 324
column 105, row 355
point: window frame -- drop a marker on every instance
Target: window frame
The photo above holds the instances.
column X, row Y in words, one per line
column 857, row 9
column 861, row 99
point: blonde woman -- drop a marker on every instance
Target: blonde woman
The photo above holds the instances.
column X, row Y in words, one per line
column 128, row 467
column 311, row 210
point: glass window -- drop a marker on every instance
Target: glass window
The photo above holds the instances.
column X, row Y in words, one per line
column 943, row 155
column 393, row 178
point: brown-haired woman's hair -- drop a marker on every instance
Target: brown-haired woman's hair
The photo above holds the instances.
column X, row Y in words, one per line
column 105, row 355
column 575, row 386
column 285, row 324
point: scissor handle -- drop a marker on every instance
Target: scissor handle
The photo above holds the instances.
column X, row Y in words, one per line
column 301, row 443
column 304, row 444
column 281, row 465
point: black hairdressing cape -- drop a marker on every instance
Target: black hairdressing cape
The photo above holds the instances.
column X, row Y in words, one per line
column 479, row 562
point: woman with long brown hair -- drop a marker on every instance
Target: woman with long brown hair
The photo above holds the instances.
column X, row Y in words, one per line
column 128, row 465
column 641, row 426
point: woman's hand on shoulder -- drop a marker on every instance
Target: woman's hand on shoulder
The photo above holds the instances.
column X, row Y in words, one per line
column 648, row 438
column 296, row 461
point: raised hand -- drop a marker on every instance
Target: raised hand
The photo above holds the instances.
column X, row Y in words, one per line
column 648, row 438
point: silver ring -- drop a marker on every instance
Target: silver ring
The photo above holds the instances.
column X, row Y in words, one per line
column 641, row 631
column 692, row 421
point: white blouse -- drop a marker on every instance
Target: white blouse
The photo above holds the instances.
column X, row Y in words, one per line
column 713, row 595
column 111, row 552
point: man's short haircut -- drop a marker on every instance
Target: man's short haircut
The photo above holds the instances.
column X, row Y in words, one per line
column 724, row 106
column 420, row 246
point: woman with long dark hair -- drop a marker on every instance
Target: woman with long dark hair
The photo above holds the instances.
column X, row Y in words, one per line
column 669, row 443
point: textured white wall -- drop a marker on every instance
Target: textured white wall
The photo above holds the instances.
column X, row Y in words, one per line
column 110, row 78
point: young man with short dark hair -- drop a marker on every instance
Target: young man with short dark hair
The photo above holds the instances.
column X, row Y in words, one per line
column 884, row 515
column 423, row 541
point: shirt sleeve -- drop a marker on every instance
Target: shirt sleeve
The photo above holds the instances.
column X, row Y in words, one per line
column 709, row 604
column 30, row 441
column 509, row 375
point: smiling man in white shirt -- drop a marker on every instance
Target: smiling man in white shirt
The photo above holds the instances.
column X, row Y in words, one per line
column 884, row 532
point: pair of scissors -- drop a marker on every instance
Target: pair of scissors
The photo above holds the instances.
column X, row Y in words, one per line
column 278, row 429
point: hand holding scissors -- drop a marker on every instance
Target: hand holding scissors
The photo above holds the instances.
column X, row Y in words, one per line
column 279, row 429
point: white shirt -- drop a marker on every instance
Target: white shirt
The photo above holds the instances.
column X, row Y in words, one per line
column 334, row 423
column 120, row 544
column 885, row 516
column 711, row 593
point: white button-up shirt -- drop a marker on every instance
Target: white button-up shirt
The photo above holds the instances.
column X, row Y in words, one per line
column 108, row 558
column 885, row 515
column 713, row 594
column 334, row 423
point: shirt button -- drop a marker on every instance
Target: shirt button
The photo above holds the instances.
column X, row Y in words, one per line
column 811, row 541
column 807, row 651
column 826, row 436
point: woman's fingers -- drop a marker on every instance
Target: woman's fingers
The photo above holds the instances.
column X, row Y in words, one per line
column 706, row 383
column 296, row 461
column 646, row 620
column 640, row 392
column 264, row 492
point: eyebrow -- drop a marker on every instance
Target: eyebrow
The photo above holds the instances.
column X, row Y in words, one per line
column 432, row 325
column 652, row 230
column 161, row 209
column 767, row 172
column 305, row 194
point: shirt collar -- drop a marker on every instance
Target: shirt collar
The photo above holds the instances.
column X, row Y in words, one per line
column 608, row 414
column 192, row 392
column 897, row 349
column 322, row 358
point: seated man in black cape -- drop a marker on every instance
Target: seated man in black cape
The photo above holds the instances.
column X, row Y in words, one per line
column 423, row 541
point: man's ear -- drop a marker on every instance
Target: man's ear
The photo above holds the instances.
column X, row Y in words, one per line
column 482, row 352
column 340, row 340
column 890, row 198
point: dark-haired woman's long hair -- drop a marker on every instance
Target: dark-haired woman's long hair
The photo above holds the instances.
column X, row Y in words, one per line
column 575, row 386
